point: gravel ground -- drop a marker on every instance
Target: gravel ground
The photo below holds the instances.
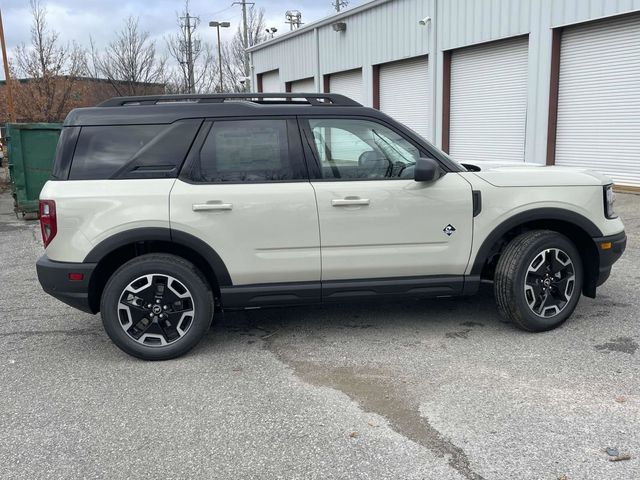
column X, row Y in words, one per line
column 438, row 389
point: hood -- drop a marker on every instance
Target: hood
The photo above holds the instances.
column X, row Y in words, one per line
column 512, row 174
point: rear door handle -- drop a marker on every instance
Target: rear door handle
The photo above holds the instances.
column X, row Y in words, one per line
column 203, row 207
column 345, row 202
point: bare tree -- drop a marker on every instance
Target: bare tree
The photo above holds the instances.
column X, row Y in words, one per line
column 52, row 69
column 233, row 52
column 184, row 47
column 130, row 62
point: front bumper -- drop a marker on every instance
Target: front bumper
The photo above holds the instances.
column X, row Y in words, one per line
column 610, row 249
column 54, row 279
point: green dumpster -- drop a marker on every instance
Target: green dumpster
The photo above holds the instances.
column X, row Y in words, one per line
column 31, row 151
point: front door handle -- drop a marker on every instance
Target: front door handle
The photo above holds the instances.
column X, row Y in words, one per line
column 203, row 207
column 347, row 201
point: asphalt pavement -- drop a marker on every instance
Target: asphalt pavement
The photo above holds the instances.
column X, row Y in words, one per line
column 437, row 389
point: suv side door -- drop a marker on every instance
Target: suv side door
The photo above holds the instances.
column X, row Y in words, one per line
column 245, row 191
column 376, row 221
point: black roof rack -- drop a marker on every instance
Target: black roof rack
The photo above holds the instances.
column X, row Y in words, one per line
column 316, row 99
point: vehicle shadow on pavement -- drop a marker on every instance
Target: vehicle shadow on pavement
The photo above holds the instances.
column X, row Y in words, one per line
column 439, row 313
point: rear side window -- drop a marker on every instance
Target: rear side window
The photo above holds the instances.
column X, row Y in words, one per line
column 132, row 151
column 247, row 151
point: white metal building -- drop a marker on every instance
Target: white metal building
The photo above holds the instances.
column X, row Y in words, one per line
column 544, row 81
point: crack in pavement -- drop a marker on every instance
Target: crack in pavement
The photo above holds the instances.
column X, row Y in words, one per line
column 380, row 392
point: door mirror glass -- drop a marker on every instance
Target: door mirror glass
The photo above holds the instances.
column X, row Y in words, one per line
column 427, row 170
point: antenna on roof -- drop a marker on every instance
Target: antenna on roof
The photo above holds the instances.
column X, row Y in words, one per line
column 293, row 18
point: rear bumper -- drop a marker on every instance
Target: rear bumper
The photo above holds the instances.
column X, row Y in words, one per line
column 608, row 256
column 54, row 279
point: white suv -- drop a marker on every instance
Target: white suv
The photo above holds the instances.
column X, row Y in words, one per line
column 162, row 210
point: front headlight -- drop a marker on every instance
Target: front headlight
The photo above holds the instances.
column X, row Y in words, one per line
column 609, row 200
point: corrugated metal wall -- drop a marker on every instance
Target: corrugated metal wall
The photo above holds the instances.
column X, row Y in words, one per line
column 384, row 31
column 371, row 37
column 295, row 58
column 467, row 22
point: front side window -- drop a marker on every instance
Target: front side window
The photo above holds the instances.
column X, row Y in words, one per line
column 354, row 149
column 246, row 151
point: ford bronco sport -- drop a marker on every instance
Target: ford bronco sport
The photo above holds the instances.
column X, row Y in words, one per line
column 164, row 209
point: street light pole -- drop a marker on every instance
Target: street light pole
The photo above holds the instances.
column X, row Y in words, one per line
column 217, row 25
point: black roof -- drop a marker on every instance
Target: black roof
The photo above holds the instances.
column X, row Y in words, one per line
column 169, row 108
column 260, row 98
column 165, row 109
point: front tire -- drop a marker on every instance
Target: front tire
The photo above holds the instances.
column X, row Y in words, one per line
column 157, row 306
column 538, row 280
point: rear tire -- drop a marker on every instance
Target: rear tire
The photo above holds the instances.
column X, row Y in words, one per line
column 157, row 306
column 538, row 280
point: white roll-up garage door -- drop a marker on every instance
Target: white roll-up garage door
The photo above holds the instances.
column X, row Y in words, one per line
column 303, row 86
column 347, row 83
column 404, row 93
column 489, row 101
column 599, row 99
column 271, row 81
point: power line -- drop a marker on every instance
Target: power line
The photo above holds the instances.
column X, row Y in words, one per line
column 220, row 11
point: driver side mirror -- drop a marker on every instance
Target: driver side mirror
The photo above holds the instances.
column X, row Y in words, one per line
column 427, row 170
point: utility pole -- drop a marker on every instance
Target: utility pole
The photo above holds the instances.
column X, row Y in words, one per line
column 245, row 42
column 190, row 24
column 339, row 4
column 5, row 61
column 190, row 54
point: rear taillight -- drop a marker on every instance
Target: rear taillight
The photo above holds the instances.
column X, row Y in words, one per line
column 48, row 220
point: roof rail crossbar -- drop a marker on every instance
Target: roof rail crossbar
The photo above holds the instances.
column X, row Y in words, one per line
column 316, row 99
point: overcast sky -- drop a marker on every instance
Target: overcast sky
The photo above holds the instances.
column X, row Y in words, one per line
column 79, row 19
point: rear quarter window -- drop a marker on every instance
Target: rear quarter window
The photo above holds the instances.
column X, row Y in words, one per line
column 132, row 151
column 64, row 152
